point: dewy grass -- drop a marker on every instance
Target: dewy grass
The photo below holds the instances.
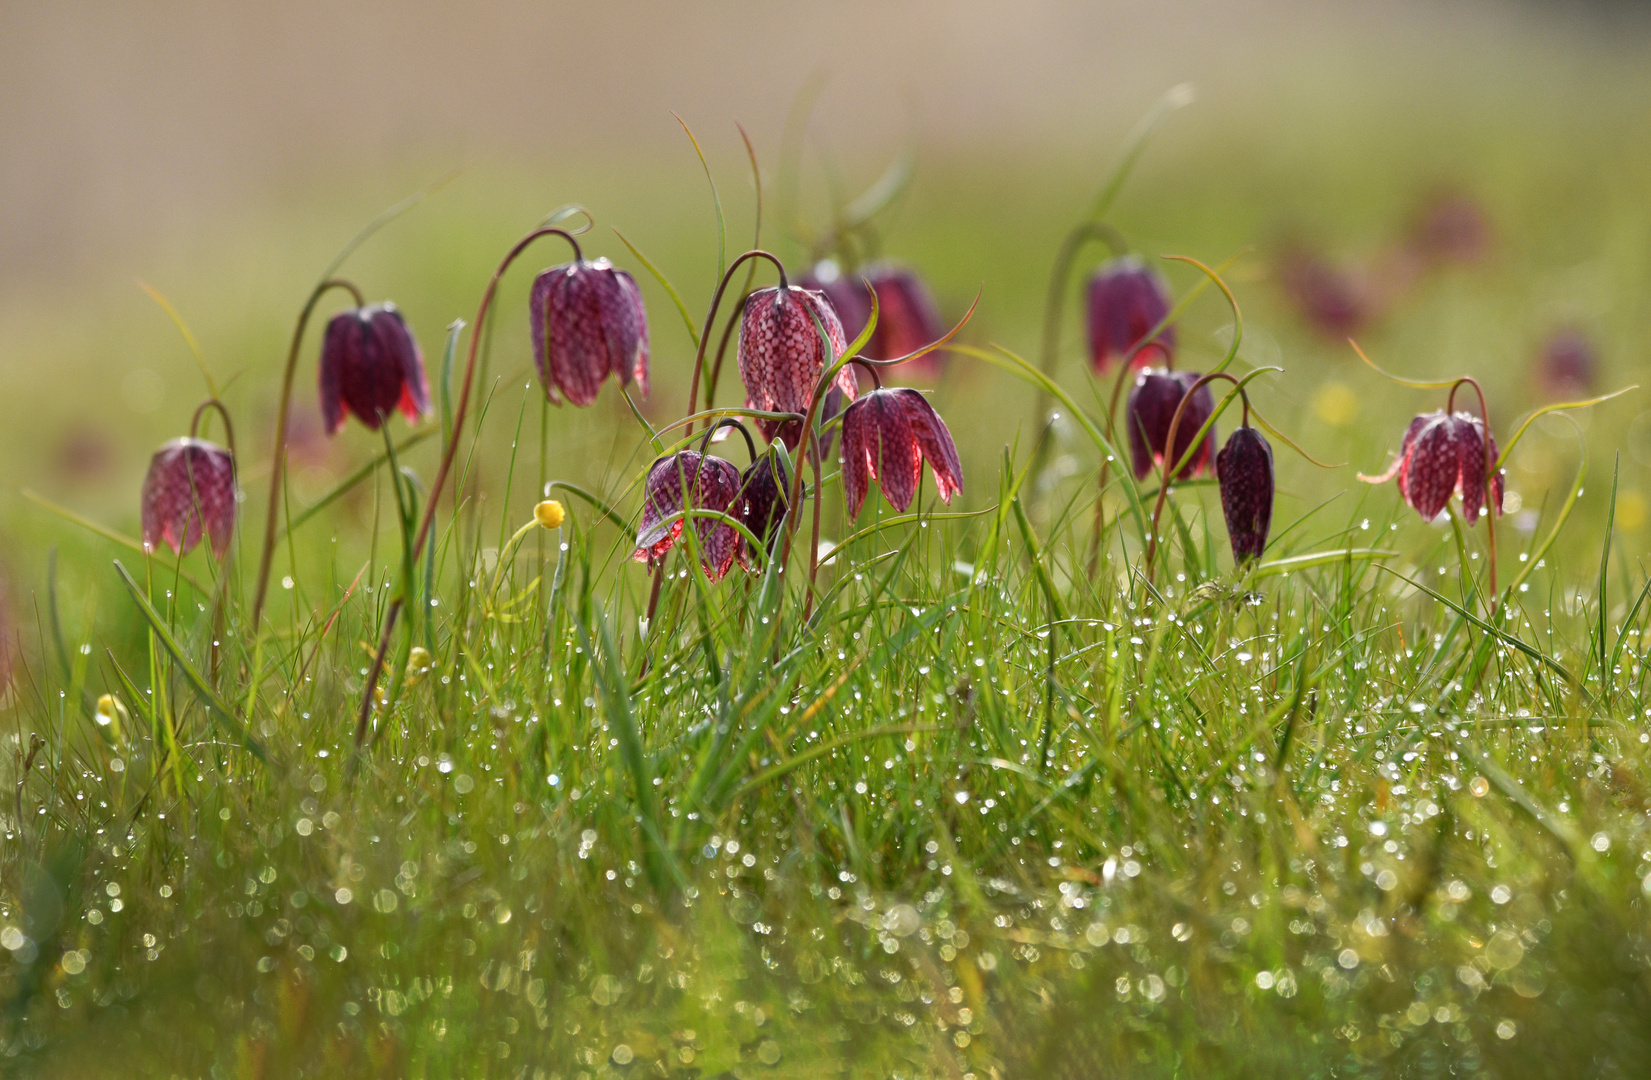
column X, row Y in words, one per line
column 963, row 809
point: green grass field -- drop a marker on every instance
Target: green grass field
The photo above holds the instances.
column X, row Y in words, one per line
column 1332, row 817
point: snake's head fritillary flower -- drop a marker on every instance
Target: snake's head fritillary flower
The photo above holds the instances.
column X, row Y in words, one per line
column 191, row 484
column 888, row 435
column 765, row 487
column 1331, row 299
column 710, row 483
column 1568, row 365
column 588, row 322
column 1149, row 413
column 907, row 319
column 782, row 356
column 1445, row 454
column 1244, row 470
column 1127, row 298
column 1450, row 227
column 370, row 366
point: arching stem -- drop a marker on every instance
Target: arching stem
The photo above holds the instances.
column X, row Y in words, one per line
column 220, row 605
column 1054, row 305
column 278, row 462
column 1492, row 506
column 446, row 465
column 722, row 347
column 711, row 318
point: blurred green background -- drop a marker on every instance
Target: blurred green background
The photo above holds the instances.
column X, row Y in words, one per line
column 222, row 154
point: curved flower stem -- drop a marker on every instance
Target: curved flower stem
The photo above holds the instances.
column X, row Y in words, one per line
column 223, row 414
column 727, row 333
column 1170, row 467
column 711, row 316
column 1054, row 304
column 730, row 422
column 278, row 462
column 1492, row 507
column 446, row 465
column 221, row 603
column 871, row 367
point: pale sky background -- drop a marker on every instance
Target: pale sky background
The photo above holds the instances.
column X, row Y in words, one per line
column 121, row 124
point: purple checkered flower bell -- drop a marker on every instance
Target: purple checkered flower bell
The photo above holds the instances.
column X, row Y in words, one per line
column 782, row 357
column 1127, row 299
column 587, row 322
column 888, row 435
column 1444, row 454
column 371, row 366
column 1244, row 470
column 1568, row 365
column 190, row 487
column 712, row 484
column 764, row 488
column 1149, row 413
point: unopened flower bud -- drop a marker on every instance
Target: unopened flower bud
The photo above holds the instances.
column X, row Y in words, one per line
column 549, row 514
column 419, row 663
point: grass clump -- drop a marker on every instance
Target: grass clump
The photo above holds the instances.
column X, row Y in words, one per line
column 991, row 798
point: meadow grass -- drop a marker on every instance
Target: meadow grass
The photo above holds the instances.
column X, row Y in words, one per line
column 980, row 807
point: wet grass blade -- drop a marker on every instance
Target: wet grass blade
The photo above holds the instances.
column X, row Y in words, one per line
column 221, row 712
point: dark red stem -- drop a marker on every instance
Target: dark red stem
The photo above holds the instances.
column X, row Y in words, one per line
column 278, row 463
column 711, row 318
column 1492, row 507
column 446, row 462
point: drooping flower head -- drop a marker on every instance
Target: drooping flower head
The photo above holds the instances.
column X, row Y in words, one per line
column 588, row 322
column 191, row 484
column 1127, row 298
column 782, row 357
column 764, row 488
column 1331, row 299
column 1444, row 454
column 888, row 434
column 1149, row 413
column 1244, row 470
column 370, row 366
column 1450, row 226
column 1567, row 366
column 711, row 483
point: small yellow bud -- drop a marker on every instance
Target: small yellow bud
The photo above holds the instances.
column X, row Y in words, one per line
column 110, row 713
column 549, row 514
column 419, row 662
